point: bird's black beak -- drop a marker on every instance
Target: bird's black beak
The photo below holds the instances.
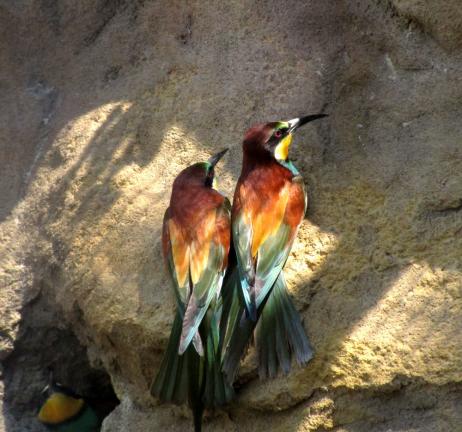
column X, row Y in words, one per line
column 297, row 122
column 216, row 157
column 50, row 381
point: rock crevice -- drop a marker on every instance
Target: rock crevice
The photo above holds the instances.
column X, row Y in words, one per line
column 105, row 102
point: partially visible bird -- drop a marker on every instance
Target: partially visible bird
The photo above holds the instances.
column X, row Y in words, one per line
column 195, row 240
column 269, row 205
column 66, row 411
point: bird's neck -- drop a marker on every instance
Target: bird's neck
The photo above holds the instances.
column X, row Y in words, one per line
column 290, row 166
column 281, row 168
column 190, row 203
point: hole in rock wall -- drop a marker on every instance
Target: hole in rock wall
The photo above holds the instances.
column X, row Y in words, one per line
column 46, row 343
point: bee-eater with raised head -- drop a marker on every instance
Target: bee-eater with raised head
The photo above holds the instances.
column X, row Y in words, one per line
column 195, row 243
column 269, row 206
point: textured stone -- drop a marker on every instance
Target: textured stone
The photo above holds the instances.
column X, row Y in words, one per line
column 443, row 20
column 106, row 101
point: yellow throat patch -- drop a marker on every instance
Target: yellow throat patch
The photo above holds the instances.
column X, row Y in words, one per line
column 59, row 408
column 281, row 152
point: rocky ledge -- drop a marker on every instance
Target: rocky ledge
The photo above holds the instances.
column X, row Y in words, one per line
column 104, row 101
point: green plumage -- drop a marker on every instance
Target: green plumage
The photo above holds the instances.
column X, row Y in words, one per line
column 203, row 293
column 65, row 411
column 269, row 205
column 172, row 381
column 86, row 421
column 195, row 242
column 190, row 378
column 217, row 390
column 279, row 333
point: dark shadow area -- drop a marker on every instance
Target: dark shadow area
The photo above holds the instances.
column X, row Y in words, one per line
column 130, row 135
column 44, row 343
column 374, row 242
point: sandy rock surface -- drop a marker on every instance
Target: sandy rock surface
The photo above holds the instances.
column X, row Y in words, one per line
column 105, row 101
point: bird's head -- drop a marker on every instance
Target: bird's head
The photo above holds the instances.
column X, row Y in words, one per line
column 272, row 140
column 200, row 174
column 59, row 403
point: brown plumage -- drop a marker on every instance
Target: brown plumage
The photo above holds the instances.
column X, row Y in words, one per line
column 269, row 205
column 195, row 245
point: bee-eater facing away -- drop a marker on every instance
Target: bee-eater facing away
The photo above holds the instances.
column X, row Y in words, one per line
column 269, row 205
column 195, row 243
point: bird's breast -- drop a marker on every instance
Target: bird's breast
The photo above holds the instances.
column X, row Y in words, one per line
column 268, row 202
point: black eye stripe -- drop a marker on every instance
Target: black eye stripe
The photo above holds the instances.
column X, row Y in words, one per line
column 209, row 177
column 276, row 137
column 279, row 133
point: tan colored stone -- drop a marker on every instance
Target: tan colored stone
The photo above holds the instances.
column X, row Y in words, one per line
column 108, row 101
column 443, row 20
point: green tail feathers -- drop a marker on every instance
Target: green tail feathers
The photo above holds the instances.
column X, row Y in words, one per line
column 206, row 382
column 172, row 382
column 194, row 366
column 217, row 390
column 279, row 332
column 190, row 378
column 236, row 329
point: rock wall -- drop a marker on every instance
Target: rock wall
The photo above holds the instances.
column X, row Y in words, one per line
column 105, row 101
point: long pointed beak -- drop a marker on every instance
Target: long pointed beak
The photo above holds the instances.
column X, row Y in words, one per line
column 297, row 122
column 216, row 157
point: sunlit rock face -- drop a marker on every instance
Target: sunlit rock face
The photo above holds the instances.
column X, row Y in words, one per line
column 105, row 102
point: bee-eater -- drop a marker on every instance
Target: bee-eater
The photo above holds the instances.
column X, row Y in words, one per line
column 66, row 411
column 195, row 242
column 269, row 205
